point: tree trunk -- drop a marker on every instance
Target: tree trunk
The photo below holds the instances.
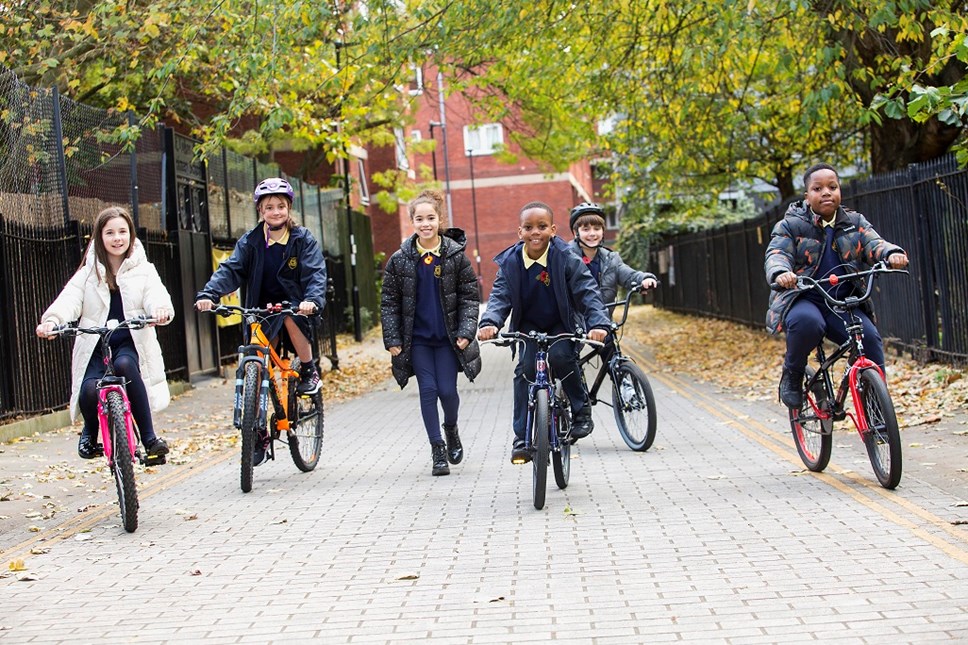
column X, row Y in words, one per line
column 897, row 143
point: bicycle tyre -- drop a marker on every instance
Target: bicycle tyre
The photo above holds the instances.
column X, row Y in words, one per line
column 540, row 446
column 305, row 427
column 250, row 418
column 883, row 438
column 561, row 458
column 635, row 418
column 122, row 467
column 813, row 436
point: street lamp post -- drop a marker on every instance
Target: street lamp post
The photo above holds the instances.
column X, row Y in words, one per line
column 433, row 151
column 477, row 237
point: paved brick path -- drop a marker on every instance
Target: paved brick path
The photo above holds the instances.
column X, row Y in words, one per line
column 714, row 535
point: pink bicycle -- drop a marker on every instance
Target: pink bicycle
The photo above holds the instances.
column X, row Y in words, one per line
column 119, row 440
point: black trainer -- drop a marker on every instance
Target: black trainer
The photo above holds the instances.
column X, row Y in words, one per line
column 261, row 453
column 156, row 450
column 582, row 424
column 519, row 452
column 791, row 388
column 87, row 448
column 309, row 382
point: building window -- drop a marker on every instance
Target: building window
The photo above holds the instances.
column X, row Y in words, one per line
column 364, row 190
column 483, row 140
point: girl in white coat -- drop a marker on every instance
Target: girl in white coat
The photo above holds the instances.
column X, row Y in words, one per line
column 115, row 282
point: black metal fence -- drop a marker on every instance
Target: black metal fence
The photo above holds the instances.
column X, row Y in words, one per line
column 59, row 168
column 923, row 208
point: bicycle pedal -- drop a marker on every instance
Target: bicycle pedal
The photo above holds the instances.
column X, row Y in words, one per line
column 160, row 460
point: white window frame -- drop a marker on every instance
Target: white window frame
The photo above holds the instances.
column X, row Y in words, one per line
column 483, row 139
column 364, row 189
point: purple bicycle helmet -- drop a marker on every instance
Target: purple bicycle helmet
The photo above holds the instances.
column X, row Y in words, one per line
column 273, row 186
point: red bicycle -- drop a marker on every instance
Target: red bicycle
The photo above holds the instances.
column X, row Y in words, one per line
column 873, row 416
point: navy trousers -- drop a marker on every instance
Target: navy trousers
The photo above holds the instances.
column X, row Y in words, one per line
column 436, row 367
column 126, row 364
column 807, row 324
column 563, row 359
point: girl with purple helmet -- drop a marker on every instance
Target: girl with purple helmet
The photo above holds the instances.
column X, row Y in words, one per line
column 277, row 261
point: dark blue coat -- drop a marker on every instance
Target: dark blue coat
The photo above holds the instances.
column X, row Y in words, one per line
column 302, row 274
column 578, row 296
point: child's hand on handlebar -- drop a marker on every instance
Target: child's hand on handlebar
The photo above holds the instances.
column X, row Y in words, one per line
column 787, row 280
column 648, row 283
column 598, row 335
column 204, row 305
column 306, row 308
column 44, row 330
column 162, row 315
column 486, row 333
column 897, row 260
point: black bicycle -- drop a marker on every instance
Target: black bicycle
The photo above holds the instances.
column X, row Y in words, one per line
column 549, row 413
column 874, row 416
column 633, row 403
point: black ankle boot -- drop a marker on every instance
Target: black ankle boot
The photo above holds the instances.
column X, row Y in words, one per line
column 439, row 451
column 791, row 388
column 455, row 451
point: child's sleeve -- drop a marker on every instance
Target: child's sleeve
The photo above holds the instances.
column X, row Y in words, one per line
column 391, row 305
column 156, row 295
column 69, row 302
column 498, row 303
column 313, row 273
column 588, row 296
column 468, row 300
column 779, row 252
column 627, row 276
column 227, row 277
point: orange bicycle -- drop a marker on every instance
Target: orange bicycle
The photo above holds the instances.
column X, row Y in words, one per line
column 263, row 375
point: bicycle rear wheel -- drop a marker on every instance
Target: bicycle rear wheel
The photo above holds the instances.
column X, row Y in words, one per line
column 882, row 439
column 540, row 446
column 122, row 467
column 250, row 420
column 561, row 456
column 633, row 405
column 305, row 427
column 812, row 435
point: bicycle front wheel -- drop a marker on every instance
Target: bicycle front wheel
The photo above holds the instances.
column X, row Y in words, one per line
column 882, row 439
column 305, row 428
column 561, row 456
column 250, row 420
column 122, row 468
column 633, row 405
column 811, row 434
column 540, row 445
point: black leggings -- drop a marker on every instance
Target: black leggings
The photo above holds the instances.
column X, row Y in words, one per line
column 126, row 364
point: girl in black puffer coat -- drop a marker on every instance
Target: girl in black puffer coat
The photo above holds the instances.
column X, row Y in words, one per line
column 430, row 305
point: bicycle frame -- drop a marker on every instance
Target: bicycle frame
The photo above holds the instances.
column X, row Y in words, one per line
column 617, row 357
column 104, row 387
column 542, row 381
column 853, row 347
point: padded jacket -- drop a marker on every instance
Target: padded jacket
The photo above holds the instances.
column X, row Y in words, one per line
column 796, row 245
column 459, row 300
column 614, row 272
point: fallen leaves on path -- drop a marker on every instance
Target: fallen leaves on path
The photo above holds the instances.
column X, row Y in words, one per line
column 750, row 360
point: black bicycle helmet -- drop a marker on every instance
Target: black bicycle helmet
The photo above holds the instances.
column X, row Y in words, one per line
column 585, row 208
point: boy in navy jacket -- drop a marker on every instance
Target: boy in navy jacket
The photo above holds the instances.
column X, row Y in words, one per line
column 545, row 288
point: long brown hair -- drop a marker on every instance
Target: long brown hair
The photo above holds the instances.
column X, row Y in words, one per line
column 100, row 252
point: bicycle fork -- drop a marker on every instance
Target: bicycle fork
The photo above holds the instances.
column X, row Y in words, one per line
column 240, row 394
column 107, row 441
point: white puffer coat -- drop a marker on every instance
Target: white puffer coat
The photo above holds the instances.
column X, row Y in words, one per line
column 87, row 299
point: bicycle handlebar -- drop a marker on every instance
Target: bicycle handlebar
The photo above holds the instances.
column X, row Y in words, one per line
column 71, row 329
column 625, row 302
column 508, row 338
column 270, row 310
column 805, row 283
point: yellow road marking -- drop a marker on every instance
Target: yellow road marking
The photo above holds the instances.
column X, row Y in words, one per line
column 766, row 437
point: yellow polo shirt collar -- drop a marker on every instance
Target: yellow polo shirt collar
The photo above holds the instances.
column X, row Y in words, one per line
column 421, row 251
column 543, row 260
column 269, row 241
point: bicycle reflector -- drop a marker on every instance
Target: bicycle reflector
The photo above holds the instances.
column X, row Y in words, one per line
column 834, row 280
column 541, row 365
